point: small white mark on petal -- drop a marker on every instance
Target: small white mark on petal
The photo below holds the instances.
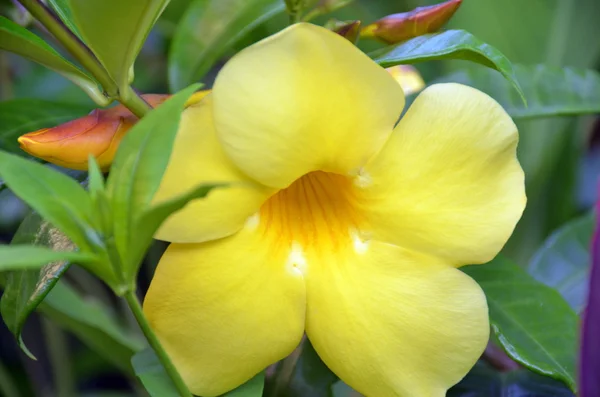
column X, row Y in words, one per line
column 252, row 222
column 360, row 246
column 362, row 179
column 296, row 260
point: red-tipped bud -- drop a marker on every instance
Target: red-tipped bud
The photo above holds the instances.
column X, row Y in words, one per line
column 422, row 20
column 346, row 29
column 99, row 134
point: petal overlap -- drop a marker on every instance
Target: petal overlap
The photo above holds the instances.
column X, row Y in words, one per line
column 225, row 310
column 448, row 181
column 303, row 100
column 198, row 158
column 390, row 322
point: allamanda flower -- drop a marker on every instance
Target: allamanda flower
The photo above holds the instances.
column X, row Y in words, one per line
column 345, row 226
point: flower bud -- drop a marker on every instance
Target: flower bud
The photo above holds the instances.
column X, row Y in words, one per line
column 99, row 134
column 422, row 20
column 408, row 77
column 346, row 29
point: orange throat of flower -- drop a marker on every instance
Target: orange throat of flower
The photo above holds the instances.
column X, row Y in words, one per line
column 316, row 216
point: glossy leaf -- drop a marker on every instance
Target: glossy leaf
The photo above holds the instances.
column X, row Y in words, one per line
column 150, row 220
column 451, row 44
column 115, row 30
column 550, row 91
column 139, row 165
column 17, row 39
column 483, row 381
column 534, row 324
column 208, row 29
column 24, row 290
column 63, row 10
column 589, row 361
column 45, row 190
column 252, row 388
column 563, row 262
column 20, row 116
column 152, row 374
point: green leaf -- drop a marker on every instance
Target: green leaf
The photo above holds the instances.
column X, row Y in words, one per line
column 550, row 91
column 115, row 30
column 483, row 381
column 208, row 29
column 62, row 9
column 139, row 165
column 24, row 290
column 26, row 257
column 93, row 324
column 17, row 39
column 150, row 220
column 451, row 44
column 534, row 324
column 253, row 388
column 308, row 375
column 152, row 374
column 57, row 198
column 563, row 262
column 20, row 116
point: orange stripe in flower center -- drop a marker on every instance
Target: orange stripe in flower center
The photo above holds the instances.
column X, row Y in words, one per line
column 315, row 215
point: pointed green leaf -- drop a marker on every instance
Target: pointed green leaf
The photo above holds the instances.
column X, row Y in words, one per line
column 150, row 220
column 17, row 39
column 451, row 44
column 208, row 29
column 20, row 116
column 115, row 30
column 25, row 257
column 93, row 323
column 57, row 198
column 139, row 165
column 534, row 324
column 563, row 261
column 24, row 290
column 152, row 374
column 550, row 91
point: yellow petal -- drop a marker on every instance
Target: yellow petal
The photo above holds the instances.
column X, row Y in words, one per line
column 391, row 322
column 224, row 310
column 197, row 158
column 305, row 99
column 448, row 181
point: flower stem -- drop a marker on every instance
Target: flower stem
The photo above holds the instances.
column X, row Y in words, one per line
column 72, row 43
column 85, row 57
column 136, row 309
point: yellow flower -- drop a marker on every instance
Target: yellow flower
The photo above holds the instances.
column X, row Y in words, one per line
column 343, row 225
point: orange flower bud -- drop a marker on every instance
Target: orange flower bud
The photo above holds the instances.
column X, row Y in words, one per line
column 408, row 77
column 346, row 29
column 99, row 134
column 422, row 20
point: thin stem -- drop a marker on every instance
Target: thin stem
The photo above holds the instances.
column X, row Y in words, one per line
column 7, row 386
column 136, row 309
column 134, row 102
column 72, row 43
column 58, row 352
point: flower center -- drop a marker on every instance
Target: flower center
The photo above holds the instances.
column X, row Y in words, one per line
column 314, row 215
